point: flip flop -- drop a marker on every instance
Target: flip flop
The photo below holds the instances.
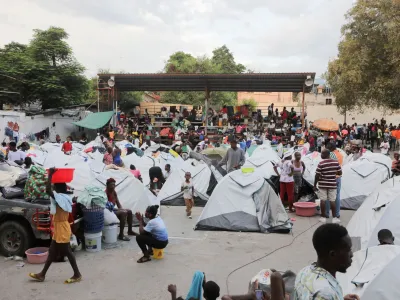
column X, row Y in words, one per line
column 72, row 280
column 143, row 260
column 125, row 239
column 34, row 276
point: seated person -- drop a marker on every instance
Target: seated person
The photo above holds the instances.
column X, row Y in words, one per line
column 28, row 163
column 396, row 164
column 122, row 214
column 15, row 155
column 153, row 234
column 136, row 173
column 385, row 237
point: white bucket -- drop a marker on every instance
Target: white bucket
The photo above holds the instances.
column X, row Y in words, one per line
column 110, row 234
column 93, row 242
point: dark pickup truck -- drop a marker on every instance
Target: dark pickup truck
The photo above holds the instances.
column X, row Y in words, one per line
column 22, row 223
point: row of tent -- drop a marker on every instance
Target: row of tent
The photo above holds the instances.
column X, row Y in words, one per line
column 224, row 197
column 374, row 271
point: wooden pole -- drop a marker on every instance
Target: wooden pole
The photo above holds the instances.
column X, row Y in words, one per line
column 206, row 110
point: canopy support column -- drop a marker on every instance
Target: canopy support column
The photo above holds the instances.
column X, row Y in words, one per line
column 302, row 109
column 206, row 110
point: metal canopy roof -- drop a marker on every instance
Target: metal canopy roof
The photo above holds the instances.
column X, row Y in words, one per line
column 254, row 82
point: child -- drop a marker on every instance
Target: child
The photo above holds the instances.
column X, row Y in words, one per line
column 188, row 194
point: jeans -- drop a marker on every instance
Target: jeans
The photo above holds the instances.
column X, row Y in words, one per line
column 337, row 201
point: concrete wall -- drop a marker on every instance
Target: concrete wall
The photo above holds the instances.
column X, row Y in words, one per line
column 315, row 112
column 32, row 124
column 155, row 107
column 264, row 99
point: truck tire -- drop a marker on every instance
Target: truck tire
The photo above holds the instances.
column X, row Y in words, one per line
column 15, row 238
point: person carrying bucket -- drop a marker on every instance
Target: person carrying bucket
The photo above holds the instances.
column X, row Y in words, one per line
column 61, row 206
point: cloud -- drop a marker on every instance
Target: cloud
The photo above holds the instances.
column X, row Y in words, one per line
column 139, row 35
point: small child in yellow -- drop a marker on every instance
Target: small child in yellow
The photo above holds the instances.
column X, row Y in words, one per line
column 188, row 194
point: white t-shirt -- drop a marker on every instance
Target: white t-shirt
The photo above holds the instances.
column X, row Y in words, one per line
column 187, row 190
column 384, row 148
column 286, row 169
column 166, row 174
column 17, row 155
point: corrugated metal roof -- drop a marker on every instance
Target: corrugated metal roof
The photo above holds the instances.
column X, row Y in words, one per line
column 252, row 82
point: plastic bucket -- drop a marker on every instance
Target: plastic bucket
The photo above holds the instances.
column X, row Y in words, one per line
column 93, row 242
column 62, row 175
column 110, row 234
column 158, row 253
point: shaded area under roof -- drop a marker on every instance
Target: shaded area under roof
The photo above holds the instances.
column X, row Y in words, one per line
column 95, row 120
column 253, row 82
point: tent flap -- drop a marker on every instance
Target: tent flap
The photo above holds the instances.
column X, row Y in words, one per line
column 95, row 120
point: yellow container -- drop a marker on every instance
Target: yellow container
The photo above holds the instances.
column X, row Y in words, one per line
column 247, row 170
column 158, row 253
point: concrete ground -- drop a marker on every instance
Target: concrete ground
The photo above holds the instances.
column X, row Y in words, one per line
column 114, row 273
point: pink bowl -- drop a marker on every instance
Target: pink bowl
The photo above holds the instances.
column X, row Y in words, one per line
column 305, row 209
column 37, row 255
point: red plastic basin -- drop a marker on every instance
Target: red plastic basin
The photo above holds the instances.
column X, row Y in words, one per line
column 305, row 209
column 63, row 175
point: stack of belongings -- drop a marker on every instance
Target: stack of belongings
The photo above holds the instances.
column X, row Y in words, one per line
column 35, row 186
column 12, row 179
column 94, row 200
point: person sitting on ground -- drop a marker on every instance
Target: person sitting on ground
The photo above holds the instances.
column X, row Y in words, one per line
column 61, row 207
column 318, row 280
column 15, row 155
column 28, row 163
column 136, row 173
column 58, row 139
column 124, row 215
column 83, row 139
column 152, row 235
column 199, row 287
column 396, row 164
column 385, row 237
column 67, row 146
column 117, row 160
column 167, row 171
column 108, row 157
column 277, row 290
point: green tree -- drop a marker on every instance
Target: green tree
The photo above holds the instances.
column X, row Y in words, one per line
column 44, row 70
column 367, row 69
column 222, row 61
column 251, row 103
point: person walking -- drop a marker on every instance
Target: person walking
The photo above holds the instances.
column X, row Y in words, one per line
column 61, row 206
column 286, row 180
column 188, row 194
column 325, row 178
column 336, row 155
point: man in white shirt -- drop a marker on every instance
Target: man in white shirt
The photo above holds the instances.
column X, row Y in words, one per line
column 14, row 154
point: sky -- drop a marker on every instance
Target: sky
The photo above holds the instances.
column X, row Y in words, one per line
column 138, row 36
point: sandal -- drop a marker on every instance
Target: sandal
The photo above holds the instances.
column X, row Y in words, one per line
column 144, row 259
column 73, row 280
column 124, row 238
column 36, row 277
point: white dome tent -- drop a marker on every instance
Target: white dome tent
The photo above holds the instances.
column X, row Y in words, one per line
column 368, row 275
column 379, row 211
column 360, row 178
column 202, row 179
column 244, row 202
column 132, row 194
